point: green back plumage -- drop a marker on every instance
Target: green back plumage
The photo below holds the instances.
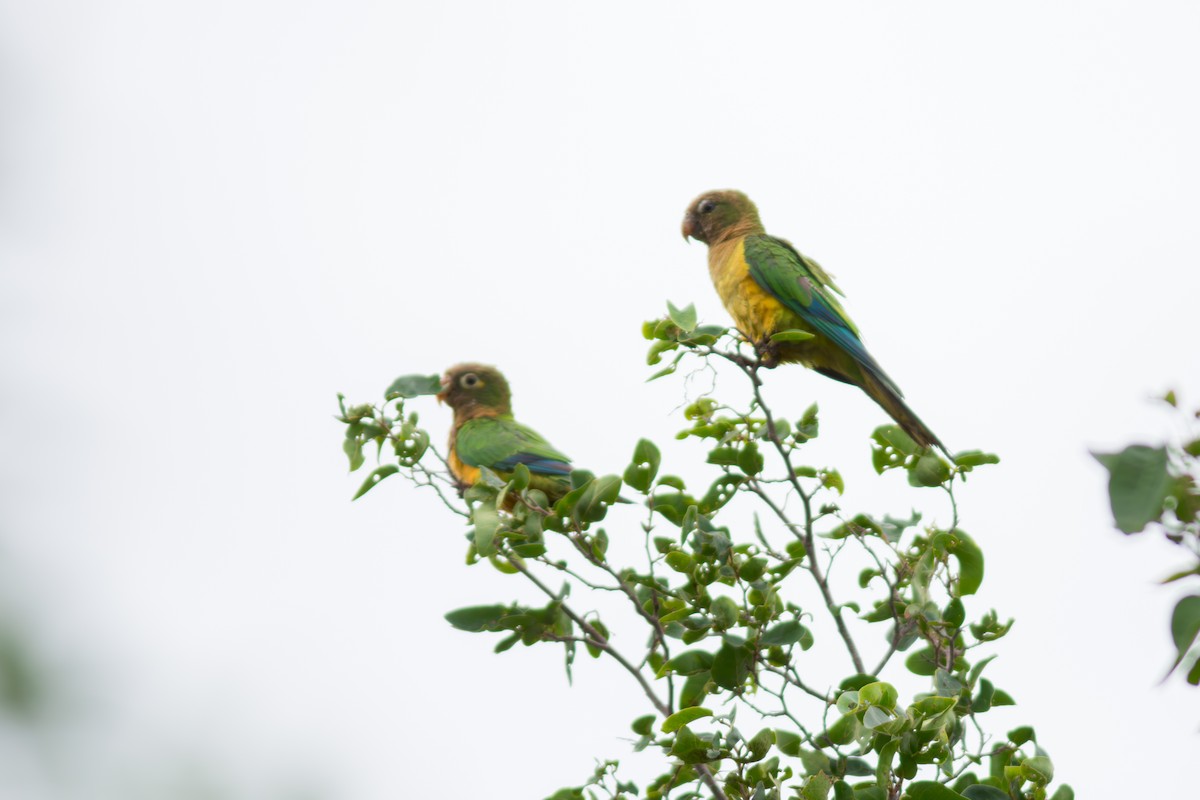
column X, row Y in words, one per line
column 804, row 288
column 502, row 442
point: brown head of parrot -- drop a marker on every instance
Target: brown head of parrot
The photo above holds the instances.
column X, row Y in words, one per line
column 475, row 390
column 718, row 215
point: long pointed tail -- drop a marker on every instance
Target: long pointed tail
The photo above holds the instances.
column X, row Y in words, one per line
column 895, row 406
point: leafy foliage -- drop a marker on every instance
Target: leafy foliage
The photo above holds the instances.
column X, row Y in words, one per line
column 730, row 605
column 1157, row 486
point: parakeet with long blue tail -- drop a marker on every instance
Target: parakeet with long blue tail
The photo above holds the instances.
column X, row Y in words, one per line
column 485, row 434
column 768, row 287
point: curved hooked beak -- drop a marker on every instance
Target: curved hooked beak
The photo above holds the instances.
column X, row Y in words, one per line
column 444, row 394
column 689, row 226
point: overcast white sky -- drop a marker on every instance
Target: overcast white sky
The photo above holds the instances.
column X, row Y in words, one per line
column 216, row 215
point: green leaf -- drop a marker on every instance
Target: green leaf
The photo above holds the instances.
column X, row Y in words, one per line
column 353, row 448
column 883, row 769
column 858, row 767
column 1137, row 485
column 725, row 613
column 693, row 691
column 930, row 470
column 569, row 793
column 1038, row 769
column 681, row 718
column 982, row 701
column 975, row 458
column 760, row 745
column 730, row 666
column 640, row 474
column 520, row 478
column 750, row 461
column 981, row 791
column 689, row 522
column 664, row 372
column 643, row 725
column 788, row 742
column 844, row 730
column 934, row 705
column 1063, row 792
column 817, row 787
column 1185, row 625
column 685, row 318
column 1193, row 676
column 477, row 618
column 688, row 747
column 922, row 662
column 752, row 570
column 970, row 563
column 876, row 716
column 723, row 456
column 487, row 522
column 792, row 336
column 597, row 496
column 411, row 447
column 602, row 629
column 502, row 565
column 856, row 682
column 1021, row 735
column 688, row 663
column 374, row 479
column 931, row 790
column 721, row 492
column 783, row 634
column 879, row 693
column 891, row 447
column 413, row 386
column 680, row 562
column 673, row 506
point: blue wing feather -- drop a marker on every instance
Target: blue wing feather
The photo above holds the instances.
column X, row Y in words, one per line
column 536, row 464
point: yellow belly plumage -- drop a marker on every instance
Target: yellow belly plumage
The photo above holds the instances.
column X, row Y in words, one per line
column 756, row 313
column 465, row 473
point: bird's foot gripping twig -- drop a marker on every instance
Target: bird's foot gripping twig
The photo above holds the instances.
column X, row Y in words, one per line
column 767, row 352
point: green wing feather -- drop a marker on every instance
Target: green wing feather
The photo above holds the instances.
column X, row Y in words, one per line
column 805, row 289
column 500, row 443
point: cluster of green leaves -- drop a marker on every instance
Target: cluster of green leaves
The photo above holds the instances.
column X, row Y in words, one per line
column 1158, row 486
column 731, row 604
column 367, row 424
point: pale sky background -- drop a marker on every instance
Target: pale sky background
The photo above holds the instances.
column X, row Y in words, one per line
column 216, row 215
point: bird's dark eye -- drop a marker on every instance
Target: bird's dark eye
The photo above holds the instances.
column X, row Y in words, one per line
column 707, row 206
column 469, row 381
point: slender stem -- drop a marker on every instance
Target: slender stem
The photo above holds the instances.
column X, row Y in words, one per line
column 564, row 568
column 660, row 634
column 897, row 627
column 750, row 369
column 623, row 584
column 814, row 568
column 429, row 481
column 599, row 641
column 794, row 679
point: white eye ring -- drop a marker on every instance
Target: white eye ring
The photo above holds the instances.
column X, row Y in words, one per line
column 469, row 381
